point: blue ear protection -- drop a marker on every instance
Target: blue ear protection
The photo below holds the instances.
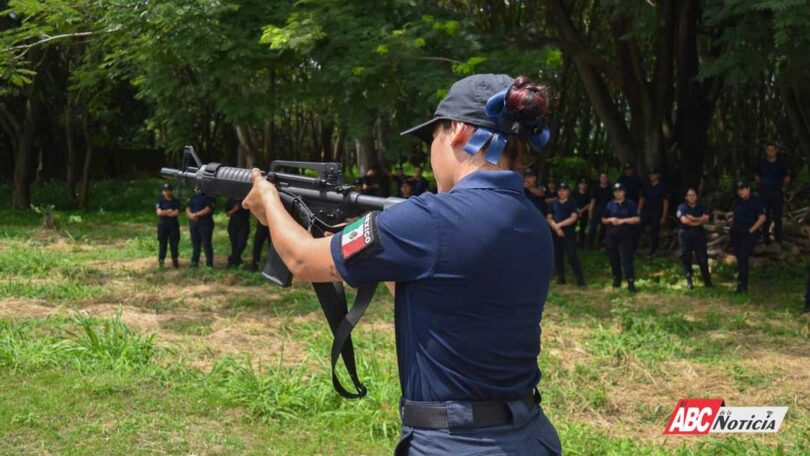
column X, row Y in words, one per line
column 497, row 111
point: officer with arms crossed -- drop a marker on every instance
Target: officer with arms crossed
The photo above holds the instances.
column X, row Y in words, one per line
column 692, row 238
column 535, row 194
column 562, row 218
column 168, row 229
column 620, row 217
column 747, row 218
column 772, row 176
column 200, row 211
column 471, row 267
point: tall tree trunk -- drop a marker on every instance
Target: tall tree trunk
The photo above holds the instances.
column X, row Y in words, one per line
column 70, row 161
column 21, row 194
column 594, row 85
column 88, row 158
column 366, row 155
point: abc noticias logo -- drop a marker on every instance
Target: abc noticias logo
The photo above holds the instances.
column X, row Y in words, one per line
column 705, row 416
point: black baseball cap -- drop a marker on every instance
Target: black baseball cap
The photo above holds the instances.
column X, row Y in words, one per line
column 530, row 172
column 466, row 102
column 166, row 186
column 562, row 186
column 618, row 186
column 583, row 181
column 653, row 170
column 743, row 184
column 628, row 165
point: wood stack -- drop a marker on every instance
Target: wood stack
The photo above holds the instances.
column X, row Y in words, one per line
column 795, row 246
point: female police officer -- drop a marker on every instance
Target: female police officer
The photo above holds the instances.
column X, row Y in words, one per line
column 620, row 216
column 692, row 238
column 748, row 217
column 471, row 267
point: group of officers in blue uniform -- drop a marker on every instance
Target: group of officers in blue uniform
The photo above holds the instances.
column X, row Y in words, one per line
column 200, row 214
column 618, row 214
column 614, row 214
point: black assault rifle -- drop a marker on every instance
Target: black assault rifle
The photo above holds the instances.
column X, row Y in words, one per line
column 318, row 203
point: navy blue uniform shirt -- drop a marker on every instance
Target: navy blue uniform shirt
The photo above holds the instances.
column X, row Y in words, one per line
column 654, row 196
column 240, row 217
column 625, row 209
column 561, row 211
column 697, row 211
column 602, row 195
column 632, row 186
column 200, row 201
column 746, row 212
column 582, row 199
column 772, row 174
column 165, row 204
column 472, row 269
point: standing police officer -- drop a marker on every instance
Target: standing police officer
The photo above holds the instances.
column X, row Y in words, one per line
column 168, row 229
column 562, row 219
column 535, row 194
column 583, row 199
column 747, row 218
column 653, row 207
column 620, row 217
column 772, row 175
column 471, row 267
column 238, row 230
column 631, row 183
column 692, row 238
column 200, row 211
column 602, row 195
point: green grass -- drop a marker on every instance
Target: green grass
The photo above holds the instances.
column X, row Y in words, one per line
column 102, row 353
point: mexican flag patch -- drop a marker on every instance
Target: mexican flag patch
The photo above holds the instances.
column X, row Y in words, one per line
column 359, row 237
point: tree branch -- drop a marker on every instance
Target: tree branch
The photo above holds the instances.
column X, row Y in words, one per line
column 441, row 59
column 26, row 47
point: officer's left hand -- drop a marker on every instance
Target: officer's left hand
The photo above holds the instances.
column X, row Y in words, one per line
column 262, row 191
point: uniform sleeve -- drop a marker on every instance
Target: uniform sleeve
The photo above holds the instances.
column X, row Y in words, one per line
column 404, row 246
column 157, row 204
column 681, row 211
column 211, row 202
column 608, row 213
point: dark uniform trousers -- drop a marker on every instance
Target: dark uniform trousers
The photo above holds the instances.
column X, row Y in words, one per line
column 238, row 233
column 694, row 242
column 529, row 434
column 202, row 232
column 743, row 243
column 567, row 246
column 774, row 201
column 261, row 236
column 168, row 233
column 620, row 243
column 596, row 224
column 654, row 222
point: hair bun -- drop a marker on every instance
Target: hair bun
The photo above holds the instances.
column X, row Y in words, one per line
column 527, row 102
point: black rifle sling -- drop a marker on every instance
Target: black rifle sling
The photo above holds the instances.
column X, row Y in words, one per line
column 342, row 321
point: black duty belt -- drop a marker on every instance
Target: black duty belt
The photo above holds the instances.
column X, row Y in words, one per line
column 434, row 415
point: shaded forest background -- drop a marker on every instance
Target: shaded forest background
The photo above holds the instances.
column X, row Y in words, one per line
column 96, row 89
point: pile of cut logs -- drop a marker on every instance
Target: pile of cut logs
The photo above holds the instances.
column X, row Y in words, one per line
column 795, row 246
